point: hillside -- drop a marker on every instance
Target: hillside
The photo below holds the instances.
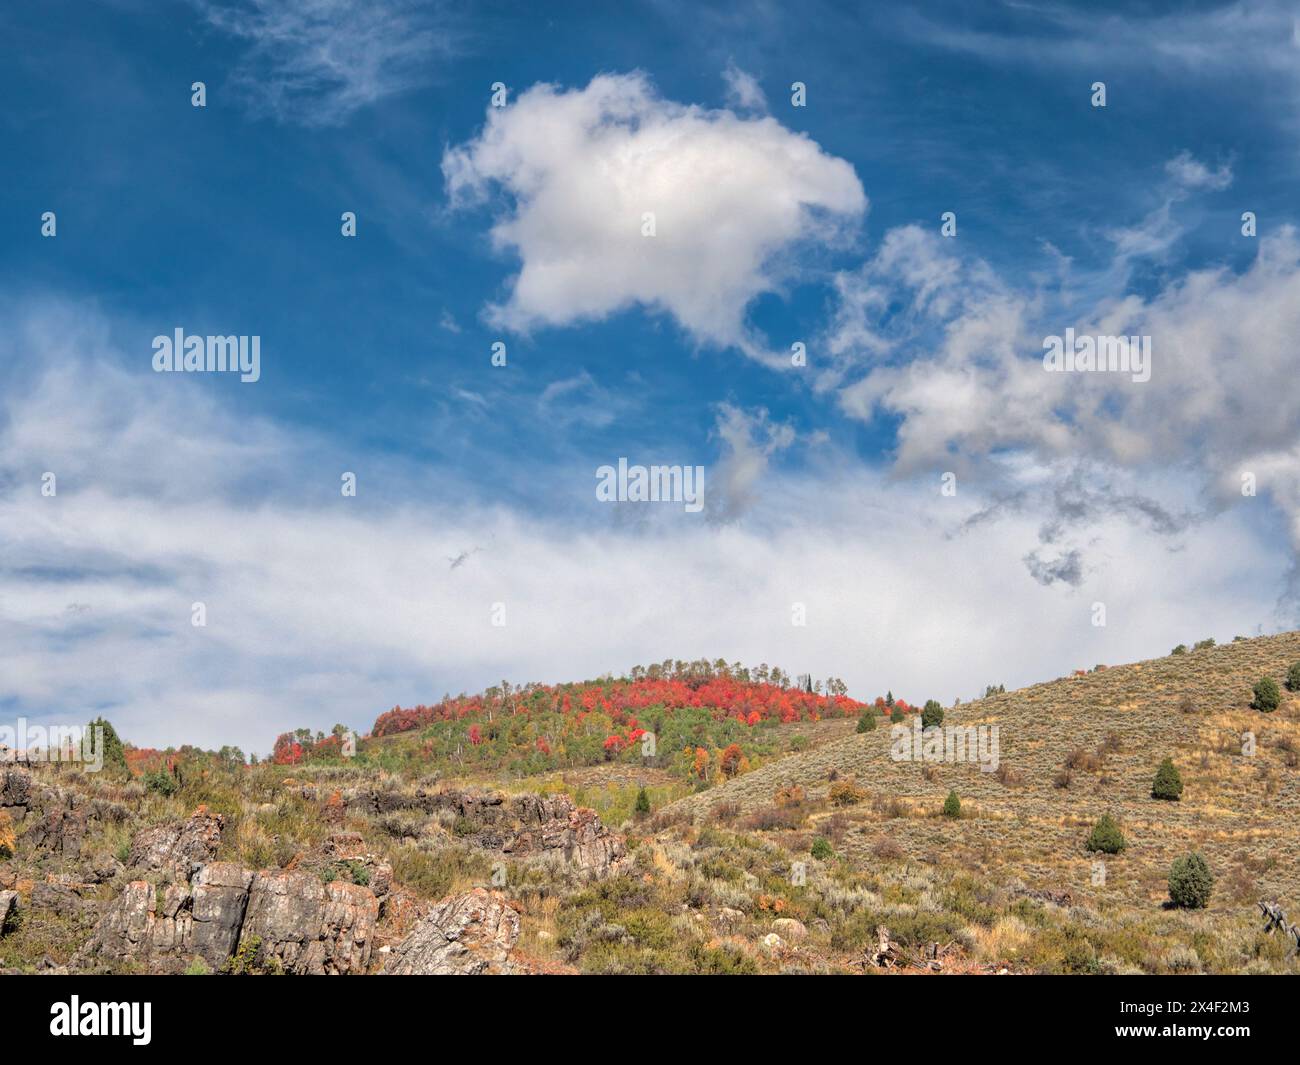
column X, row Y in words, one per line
column 778, row 836
column 1239, row 811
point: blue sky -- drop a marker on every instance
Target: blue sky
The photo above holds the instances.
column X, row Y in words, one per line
column 776, row 224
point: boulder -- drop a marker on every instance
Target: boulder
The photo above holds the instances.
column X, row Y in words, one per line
column 178, row 848
column 61, row 831
column 470, row 934
column 8, row 910
column 60, row 895
column 789, row 929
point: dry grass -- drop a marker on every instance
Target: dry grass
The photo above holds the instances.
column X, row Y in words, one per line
column 1108, row 730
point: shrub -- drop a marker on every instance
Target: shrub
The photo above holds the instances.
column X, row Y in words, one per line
column 1190, row 882
column 886, row 849
column 952, row 805
column 162, row 782
column 732, row 761
column 1267, row 696
column 1203, row 645
column 7, row 834
column 1293, row 677
column 1168, row 784
column 897, row 716
column 846, row 793
column 932, row 715
column 773, row 818
column 1086, row 761
column 1181, row 649
column 867, row 721
column 1106, row 836
column 821, row 849
column 642, row 807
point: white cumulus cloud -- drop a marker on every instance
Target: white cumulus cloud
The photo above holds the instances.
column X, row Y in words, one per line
column 733, row 199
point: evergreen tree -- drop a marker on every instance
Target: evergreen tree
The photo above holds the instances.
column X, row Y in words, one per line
column 114, row 751
column 1168, row 784
column 1190, row 882
column 1267, row 696
column 1106, row 836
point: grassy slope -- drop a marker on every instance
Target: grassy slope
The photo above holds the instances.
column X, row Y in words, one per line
column 1240, row 812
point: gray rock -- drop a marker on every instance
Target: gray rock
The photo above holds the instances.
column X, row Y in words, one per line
column 303, row 926
column 470, row 934
column 218, row 902
column 8, row 910
column 178, row 848
column 61, row 831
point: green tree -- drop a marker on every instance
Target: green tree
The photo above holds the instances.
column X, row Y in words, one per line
column 821, row 849
column 952, row 805
column 162, row 782
column 114, row 751
column 1190, row 882
column 898, row 717
column 1181, row 649
column 1293, row 677
column 867, row 720
column 1168, row 784
column 1267, row 696
column 932, row 715
column 642, row 803
column 1106, row 836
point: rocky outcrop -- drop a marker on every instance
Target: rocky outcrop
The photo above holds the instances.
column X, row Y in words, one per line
column 65, row 818
column 470, row 934
column 372, row 802
column 536, row 825
column 299, row 925
column 62, row 831
column 162, row 928
column 217, row 904
column 15, row 791
column 350, row 848
column 62, row 895
column 554, row 825
column 276, row 920
column 178, row 849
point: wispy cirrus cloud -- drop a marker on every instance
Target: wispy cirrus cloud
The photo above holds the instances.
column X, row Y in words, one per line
column 322, row 608
column 318, row 62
